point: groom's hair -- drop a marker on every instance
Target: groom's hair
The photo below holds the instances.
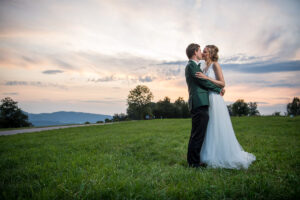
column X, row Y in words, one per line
column 190, row 50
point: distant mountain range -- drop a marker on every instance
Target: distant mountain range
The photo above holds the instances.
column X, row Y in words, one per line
column 62, row 117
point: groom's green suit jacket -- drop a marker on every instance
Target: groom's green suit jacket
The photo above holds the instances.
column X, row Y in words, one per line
column 198, row 88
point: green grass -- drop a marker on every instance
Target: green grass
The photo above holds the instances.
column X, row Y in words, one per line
column 147, row 160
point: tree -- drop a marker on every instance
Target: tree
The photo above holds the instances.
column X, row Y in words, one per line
column 185, row 110
column 229, row 107
column 164, row 109
column 152, row 107
column 116, row 117
column 240, row 108
column 293, row 108
column 253, row 109
column 11, row 116
column 179, row 101
column 138, row 101
column 181, row 108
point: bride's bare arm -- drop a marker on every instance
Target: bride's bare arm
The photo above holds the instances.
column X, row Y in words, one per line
column 219, row 75
column 219, row 81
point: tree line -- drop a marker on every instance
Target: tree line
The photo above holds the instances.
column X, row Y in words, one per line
column 140, row 106
column 241, row 108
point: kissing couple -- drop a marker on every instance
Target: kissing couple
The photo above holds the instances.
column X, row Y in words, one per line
column 212, row 142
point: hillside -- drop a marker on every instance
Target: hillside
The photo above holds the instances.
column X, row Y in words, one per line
column 63, row 117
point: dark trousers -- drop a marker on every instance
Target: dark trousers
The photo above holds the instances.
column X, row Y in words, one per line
column 199, row 125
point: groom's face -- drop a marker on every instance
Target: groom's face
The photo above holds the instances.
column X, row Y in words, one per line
column 198, row 54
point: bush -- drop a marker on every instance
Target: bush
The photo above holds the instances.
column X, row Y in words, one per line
column 107, row 120
column 120, row 117
column 240, row 108
column 11, row 116
column 276, row 113
column 293, row 108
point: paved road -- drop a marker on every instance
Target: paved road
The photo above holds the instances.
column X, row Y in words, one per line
column 30, row 130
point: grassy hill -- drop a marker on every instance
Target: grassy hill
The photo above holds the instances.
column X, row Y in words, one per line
column 64, row 117
column 147, row 160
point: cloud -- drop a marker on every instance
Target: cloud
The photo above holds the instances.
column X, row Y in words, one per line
column 146, row 79
column 52, row 71
column 103, row 79
column 243, row 58
column 234, row 59
column 238, row 68
column 172, row 72
column 81, row 61
column 244, row 65
column 264, row 67
column 122, row 62
column 33, row 83
column 179, row 62
column 132, row 78
column 272, row 37
column 81, row 28
column 284, row 84
column 139, row 45
column 29, row 59
column 169, row 70
column 10, row 93
column 62, row 63
column 11, row 83
column 247, row 64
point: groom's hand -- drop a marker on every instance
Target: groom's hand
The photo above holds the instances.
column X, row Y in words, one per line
column 222, row 92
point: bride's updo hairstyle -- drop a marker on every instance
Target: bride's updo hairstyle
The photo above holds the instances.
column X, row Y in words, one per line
column 213, row 52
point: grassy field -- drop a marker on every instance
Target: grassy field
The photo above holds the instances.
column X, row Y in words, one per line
column 147, row 160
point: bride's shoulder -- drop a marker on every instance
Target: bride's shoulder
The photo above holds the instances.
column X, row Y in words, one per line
column 216, row 66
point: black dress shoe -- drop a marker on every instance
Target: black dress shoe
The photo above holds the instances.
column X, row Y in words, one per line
column 200, row 165
column 203, row 165
column 194, row 165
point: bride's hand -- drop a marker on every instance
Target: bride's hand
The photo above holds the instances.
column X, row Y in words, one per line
column 222, row 92
column 201, row 75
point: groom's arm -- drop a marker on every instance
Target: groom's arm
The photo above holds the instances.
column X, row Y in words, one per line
column 202, row 82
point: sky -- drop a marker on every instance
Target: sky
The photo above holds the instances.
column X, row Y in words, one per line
column 86, row 55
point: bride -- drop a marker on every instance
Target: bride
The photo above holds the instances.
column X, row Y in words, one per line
column 220, row 148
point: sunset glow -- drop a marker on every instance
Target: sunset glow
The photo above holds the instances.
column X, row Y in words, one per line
column 86, row 55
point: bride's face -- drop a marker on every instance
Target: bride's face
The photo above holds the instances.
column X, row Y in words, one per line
column 205, row 54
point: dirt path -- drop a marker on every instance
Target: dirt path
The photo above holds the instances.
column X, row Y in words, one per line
column 30, row 130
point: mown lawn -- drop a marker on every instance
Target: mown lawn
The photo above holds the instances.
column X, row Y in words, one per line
column 147, row 160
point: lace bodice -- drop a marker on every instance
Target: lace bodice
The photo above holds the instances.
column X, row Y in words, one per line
column 210, row 71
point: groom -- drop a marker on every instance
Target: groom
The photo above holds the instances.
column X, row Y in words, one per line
column 198, row 104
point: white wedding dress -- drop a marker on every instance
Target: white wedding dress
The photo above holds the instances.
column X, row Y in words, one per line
column 220, row 148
